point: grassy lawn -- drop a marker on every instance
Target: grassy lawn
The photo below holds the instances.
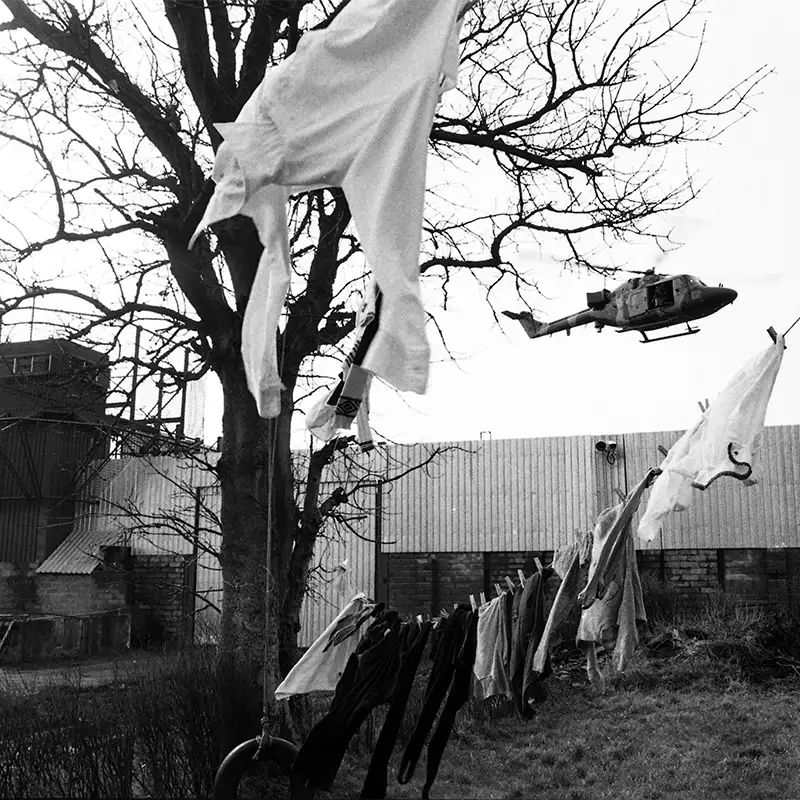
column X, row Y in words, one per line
column 701, row 739
column 712, row 716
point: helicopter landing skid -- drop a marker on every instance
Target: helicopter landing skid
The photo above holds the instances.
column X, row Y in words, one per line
column 688, row 332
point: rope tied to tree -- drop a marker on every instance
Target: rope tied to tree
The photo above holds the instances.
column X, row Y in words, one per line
column 267, row 690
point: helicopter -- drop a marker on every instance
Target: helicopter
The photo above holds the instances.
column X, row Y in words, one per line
column 641, row 304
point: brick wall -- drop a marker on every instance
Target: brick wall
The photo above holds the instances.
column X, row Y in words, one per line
column 162, row 597
column 17, row 589
column 152, row 593
column 78, row 595
column 693, row 574
column 425, row 582
column 498, row 565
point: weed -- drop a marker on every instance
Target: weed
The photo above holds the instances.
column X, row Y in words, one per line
column 156, row 736
column 661, row 601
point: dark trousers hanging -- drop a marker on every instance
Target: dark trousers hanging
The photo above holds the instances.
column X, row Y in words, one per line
column 531, row 618
column 459, row 694
column 445, row 652
column 376, row 782
column 534, row 689
column 369, row 679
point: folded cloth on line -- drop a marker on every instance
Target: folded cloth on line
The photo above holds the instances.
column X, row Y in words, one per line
column 377, row 779
column 726, row 440
column 528, row 628
column 369, row 680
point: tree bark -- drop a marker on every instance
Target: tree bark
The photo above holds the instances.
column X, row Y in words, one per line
column 255, row 452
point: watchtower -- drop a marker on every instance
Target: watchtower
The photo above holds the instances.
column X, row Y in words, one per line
column 52, row 408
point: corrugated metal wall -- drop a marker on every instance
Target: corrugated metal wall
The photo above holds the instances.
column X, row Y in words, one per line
column 507, row 494
column 526, row 494
column 19, row 531
column 533, row 494
column 352, row 537
column 39, row 461
column 208, row 588
column 168, row 489
column 495, row 495
column 163, row 488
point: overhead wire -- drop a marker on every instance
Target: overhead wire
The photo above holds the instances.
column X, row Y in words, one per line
column 791, row 326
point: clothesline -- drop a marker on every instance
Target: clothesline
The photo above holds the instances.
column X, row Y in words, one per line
column 509, row 584
column 498, row 648
column 791, row 326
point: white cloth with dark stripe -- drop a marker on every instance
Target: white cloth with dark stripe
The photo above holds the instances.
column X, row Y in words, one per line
column 726, row 440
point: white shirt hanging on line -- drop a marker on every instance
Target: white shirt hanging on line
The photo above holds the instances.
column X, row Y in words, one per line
column 352, row 107
column 725, row 441
column 319, row 669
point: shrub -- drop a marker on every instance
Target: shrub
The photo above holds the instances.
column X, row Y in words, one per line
column 65, row 743
column 156, row 735
column 661, row 601
column 175, row 715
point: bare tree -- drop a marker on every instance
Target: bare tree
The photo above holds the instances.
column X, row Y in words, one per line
column 570, row 108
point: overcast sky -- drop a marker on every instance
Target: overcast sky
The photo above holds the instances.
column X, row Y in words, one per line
column 740, row 232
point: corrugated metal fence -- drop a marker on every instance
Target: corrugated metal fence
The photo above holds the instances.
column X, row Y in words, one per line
column 478, row 496
column 533, row 494
column 523, row 494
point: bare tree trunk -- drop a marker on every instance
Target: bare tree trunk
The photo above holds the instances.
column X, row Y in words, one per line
column 248, row 652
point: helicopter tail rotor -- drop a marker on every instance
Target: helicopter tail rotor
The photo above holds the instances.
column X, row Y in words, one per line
column 531, row 325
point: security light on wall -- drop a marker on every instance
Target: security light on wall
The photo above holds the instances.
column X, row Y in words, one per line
column 608, row 447
column 603, row 446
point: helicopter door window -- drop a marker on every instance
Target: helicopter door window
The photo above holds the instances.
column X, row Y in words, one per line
column 660, row 295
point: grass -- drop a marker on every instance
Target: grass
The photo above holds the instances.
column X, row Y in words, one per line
column 728, row 742
column 713, row 712
column 714, row 715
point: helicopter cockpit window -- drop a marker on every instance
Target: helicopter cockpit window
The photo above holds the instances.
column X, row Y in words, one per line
column 660, row 295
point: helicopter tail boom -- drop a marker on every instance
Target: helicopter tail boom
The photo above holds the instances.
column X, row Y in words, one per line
column 535, row 329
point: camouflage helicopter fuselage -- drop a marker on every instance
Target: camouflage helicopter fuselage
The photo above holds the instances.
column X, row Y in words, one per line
column 640, row 304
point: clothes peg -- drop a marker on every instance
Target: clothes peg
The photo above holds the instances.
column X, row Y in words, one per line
column 472, row 602
column 539, row 566
column 498, row 589
column 773, row 334
column 521, row 576
column 482, row 595
column 509, row 583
